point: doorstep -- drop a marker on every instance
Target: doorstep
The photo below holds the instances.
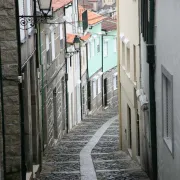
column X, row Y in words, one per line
column 36, row 171
column 29, row 176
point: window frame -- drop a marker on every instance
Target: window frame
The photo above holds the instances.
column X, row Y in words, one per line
column 98, row 44
column 128, row 59
column 94, row 89
column 166, row 76
column 53, row 45
column 99, row 85
column 115, row 82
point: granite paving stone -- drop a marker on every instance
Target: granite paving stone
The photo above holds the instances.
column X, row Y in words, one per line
column 109, row 156
column 115, row 165
column 63, row 161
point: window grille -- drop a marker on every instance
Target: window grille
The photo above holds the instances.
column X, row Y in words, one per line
column 167, row 107
column 115, row 82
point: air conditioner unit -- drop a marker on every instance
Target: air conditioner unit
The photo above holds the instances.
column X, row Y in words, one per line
column 143, row 102
column 139, row 92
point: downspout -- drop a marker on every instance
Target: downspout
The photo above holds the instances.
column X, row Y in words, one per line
column 102, row 42
column 21, row 104
column 2, row 115
column 87, row 75
column 119, row 73
column 80, row 82
column 66, row 76
column 80, row 66
column 42, row 85
column 42, row 94
column 36, row 35
column 151, row 62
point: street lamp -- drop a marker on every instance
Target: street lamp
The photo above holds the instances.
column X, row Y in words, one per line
column 46, row 12
column 45, row 6
column 76, row 43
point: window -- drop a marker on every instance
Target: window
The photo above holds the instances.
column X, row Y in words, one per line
column 93, row 47
column 98, row 44
column 123, row 54
column 99, row 85
column 115, row 82
column 128, row 59
column 21, row 12
column 61, row 35
column 83, row 99
column 115, row 44
column 105, row 49
column 134, row 54
column 52, row 45
column 29, row 13
column 94, row 89
column 167, row 107
column 48, row 53
column 144, row 18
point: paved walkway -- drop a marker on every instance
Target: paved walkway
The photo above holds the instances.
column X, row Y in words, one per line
column 89, row 152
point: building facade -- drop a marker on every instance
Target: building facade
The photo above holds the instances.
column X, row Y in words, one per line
column 129, row 77
column 21, row 132
column 167, row 89
column 73, row 66
column 102, row 62
column 53, row 70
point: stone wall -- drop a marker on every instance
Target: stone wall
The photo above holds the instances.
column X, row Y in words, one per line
column 54, row 88
column 9, row 56
column 112, row 95
column 84, row 94
column 96, row 103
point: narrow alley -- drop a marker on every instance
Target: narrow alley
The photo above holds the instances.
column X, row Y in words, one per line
column 91, row 151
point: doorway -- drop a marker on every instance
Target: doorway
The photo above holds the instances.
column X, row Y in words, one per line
column 105, row 92
column 129, row 127
column 138, row 135
column 63, row 105
column 55, row 114
column 89, row 95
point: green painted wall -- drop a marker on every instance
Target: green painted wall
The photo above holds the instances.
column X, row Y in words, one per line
column 95, row 62
column 111, row 60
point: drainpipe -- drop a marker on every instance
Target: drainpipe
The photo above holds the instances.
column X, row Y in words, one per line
column 102, row 42
column 87, row 75
column 119, row 73
column 23, row 166
column 151, row 62
column 42, row 83
column 66, row 75
column 80, row 81
column 42, row 94
column 2, row 115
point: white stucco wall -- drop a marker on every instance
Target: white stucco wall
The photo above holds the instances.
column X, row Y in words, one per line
column 130, row 29
column 74, row 69
column 168, row 54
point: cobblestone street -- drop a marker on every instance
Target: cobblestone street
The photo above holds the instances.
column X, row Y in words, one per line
column 91, row 151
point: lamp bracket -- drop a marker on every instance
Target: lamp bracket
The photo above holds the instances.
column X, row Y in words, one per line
column 27, row 22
